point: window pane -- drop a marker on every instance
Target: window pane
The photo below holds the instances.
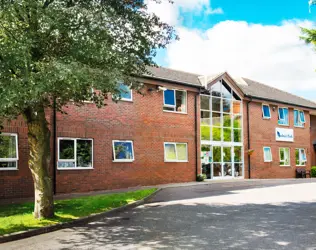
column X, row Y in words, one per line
column 266, row 111
column 282, row 154
column 125, row 91
column 64, row 164
column 297, row 156
column 216, row 89
column 238, row 169
column 237, row 121
column 303, row 155
column 66, row 149
column 123, row 150
column 205, row 102
column 227, row 154
column 287, row 156
column 181, row 97
column 302, row 117
column 216, row 119
column 217, row 170
column 267, row 154
column 281, row 114
column 237, row 135
column 84, row 153
column 8, row 146
column 169, row 108
column 182, row 152
column 9, row 164
column 216, row 104
column 236, row 107
column 227, row 134
column 217, row 154
column 228, row 169
column 226, row 90
column 227, row 120
column 205, row 133
column 169, row 97
column 227, row 105
column 217, row 134
column 170, row 152
column 205, row 148
column 205, row 118
column 238, row 154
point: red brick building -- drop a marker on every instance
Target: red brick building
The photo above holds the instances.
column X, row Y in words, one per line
column 183, row 125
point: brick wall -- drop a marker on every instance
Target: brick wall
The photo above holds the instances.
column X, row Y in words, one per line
column 262, row 133
column 313, row 139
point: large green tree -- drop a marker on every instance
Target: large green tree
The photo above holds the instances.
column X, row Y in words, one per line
column 60, row 50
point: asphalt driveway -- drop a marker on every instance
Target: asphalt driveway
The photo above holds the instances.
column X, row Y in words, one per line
column 242, row 215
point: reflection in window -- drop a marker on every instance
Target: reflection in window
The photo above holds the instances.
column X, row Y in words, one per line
column 123, row 151
column 8, row 151
column 175, row 100
column 176, row 152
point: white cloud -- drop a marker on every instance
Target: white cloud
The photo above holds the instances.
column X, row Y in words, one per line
column 170, row 13
column 268, row 53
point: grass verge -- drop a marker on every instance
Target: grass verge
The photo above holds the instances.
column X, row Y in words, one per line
column 19, row 217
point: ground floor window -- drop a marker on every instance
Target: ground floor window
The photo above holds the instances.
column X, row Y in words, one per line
column 8, row 151
column 123, row 151
column 176, row 152
column 300, row 157
column 284, row 156
column 222, row 161
column 75, row 153
column 267, row 155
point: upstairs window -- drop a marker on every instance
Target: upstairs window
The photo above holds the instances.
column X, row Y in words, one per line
column 299, row 118
column 266, row 111
column 300, row 157
column 176, row 152
column 284, row 157
column 125, row 93
column 175, row 101
column 74, row 153
column 8, row 151
column 267, row 155
column 123, row 151
column 283, row 116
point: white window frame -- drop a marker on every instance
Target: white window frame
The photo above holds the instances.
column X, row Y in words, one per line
column 282, row 148
column 122, row 160
column 288, row 118
column 301, row 123
column 75, row 153
column 17, row 152
column 175, row 100
column 264, row 155
column 266, row 117
column 124, row 99
column 175, row 144
column 299, row 155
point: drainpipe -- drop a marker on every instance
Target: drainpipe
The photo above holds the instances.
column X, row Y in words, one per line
column 248, row 133
column 196, row 134
column 54, row 145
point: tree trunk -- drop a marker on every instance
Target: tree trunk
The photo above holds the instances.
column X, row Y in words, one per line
column 39, row 160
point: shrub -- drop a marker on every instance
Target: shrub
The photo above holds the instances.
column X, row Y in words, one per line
column 313, row 171
column 200, row 177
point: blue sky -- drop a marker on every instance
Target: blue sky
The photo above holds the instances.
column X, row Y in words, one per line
column 264, row 42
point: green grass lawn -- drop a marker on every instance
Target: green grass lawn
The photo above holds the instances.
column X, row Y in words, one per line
column 18, row 217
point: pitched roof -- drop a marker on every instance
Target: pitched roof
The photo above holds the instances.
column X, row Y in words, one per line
column 260, row 90
column 249, row 87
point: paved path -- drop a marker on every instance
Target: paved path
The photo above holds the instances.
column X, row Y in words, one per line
column 242, row 215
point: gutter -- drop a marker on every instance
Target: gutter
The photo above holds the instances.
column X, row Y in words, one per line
column 248, row 135
column 196, row 136
column 54, row 145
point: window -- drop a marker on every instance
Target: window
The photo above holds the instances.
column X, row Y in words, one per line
column 284, row 157
column 8, row 151
column 176, row 152
column 75, row 153
column 125, row 94
column 266, row 111
column 123, row 151
column 283, row 116
column 300, row 157
column 267, row 155
column 299, row 118
column 175, row 101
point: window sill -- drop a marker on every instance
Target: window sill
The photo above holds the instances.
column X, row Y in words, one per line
column 125, row 100
column 299, row 126
column 300, row 165
column 284, row 125
column 9, row 169
column 126, row 161
column 268, row 161
column 74, row 168
column 266, row 118
column 285, row 166
column 182, row 113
